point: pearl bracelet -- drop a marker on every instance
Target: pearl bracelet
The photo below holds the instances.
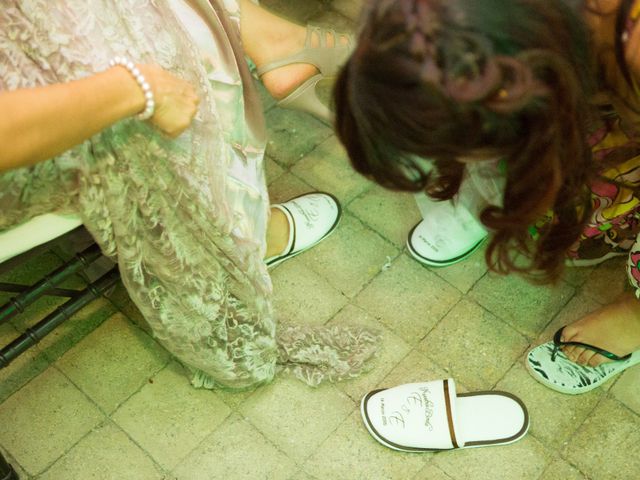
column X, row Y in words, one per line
column 150, row 104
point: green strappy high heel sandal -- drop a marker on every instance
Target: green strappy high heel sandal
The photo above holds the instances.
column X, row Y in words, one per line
column 326, row 58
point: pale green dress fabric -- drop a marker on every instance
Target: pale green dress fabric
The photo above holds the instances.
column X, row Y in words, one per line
column 185, row 218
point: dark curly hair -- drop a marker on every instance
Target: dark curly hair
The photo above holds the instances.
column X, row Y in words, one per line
column 447, row 79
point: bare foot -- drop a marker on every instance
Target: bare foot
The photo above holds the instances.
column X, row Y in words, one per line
column 615, row 328
column 277, row 233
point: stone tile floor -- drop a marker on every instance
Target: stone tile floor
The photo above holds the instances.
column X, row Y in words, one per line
column 99, row 399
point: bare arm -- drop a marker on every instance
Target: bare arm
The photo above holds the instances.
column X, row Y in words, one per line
column 39, row 123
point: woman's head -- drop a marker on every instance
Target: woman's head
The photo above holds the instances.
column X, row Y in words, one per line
column 450, row 79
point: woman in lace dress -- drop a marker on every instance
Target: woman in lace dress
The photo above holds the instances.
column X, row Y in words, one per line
column 179, row 200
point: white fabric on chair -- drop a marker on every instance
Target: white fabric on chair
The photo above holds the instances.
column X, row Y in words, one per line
column 38, row 230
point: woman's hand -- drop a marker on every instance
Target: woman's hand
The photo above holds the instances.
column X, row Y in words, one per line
column 39, row 123
column 176, row 100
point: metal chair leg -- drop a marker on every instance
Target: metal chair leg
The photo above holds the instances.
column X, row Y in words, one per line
column 44, row 327
column 18, row 303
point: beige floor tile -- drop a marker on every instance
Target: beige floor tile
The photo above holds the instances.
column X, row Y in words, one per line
column 627, row 389
column 302, row 475
column 267, row 100
column 351, row 453
column 105, row 454
column 44, row 419
column 32, row 270
column 120, row 298
column 579, row 306
column 273, row 170
column 577, row 276
column 408, row 299
column 297, row 11
column 333, row 19
column 234, row 399
column 287, row 186
column 236, row 451
column 351, row 257
column 113, row 362
column 607, row 446
column 169, row 418
column 465, row 274
column 417, row 367
column 76, row 328
column 296, row 417
column 525, row 306
column 607, row 281
column 392, row 350
column 554, row 416
column 301, row 296
column 431, row 472
column 392, row 214
column 22, row 369
column 523, row 460
column 327, row 168
column 293, row 134
column 561, row 470
column 349, row 8
column 474, row 345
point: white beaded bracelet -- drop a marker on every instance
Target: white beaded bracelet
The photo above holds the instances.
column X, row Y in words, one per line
column 150, row 104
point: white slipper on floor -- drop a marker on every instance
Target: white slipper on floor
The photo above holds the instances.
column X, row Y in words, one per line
column 447, row 234
column 431, row 247
column 551, row 367
column 430, row 416
column 312, row 217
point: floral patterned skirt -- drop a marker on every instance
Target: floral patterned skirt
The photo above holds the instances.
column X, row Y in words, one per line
column 615, row 222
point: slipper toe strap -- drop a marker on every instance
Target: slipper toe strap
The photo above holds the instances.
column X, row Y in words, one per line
column 415, row 416
column 557, row 341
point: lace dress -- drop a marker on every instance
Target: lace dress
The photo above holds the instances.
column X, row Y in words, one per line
column 185, row 219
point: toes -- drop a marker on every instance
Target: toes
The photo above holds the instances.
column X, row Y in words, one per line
column 570, row 352
column 568, row 333
column 585, row 357
column 596, row 360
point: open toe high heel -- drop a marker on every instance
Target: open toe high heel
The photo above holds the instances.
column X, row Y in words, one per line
column 327, row 57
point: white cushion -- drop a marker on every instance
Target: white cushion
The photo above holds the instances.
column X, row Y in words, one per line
column 38, row 230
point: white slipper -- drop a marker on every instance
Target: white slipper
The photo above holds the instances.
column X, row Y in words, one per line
column 430, row 247
column 430, row 416
column 312, row 217
column 551, row 367
column 447, row 234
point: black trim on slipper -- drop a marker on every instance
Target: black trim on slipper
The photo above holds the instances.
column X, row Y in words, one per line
column 291, row 253
column 513, row 438
column 293, row 227
column 383, row 440
column 439, row 263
